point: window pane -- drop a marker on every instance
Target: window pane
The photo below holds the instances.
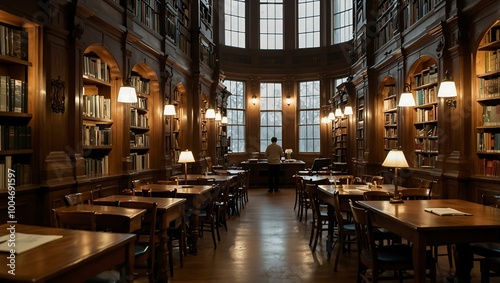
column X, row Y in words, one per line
column 271, row 117
column 236, row 115
column 234, row 24
column 342, row 20
column 271, row 24
column 309, row 116
column 308, row 23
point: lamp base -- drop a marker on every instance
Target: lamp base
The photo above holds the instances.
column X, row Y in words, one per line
column 396, row 200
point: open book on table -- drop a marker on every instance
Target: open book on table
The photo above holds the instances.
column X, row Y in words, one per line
column 446, row 211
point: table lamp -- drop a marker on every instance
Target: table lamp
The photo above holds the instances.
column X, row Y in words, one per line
column 186, row 157
column 395, row 158
column 288, row 153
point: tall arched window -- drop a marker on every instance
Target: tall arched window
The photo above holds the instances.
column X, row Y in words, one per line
column 308, row 23
column 342, row 20
column 309, row 116
column 271, row 113
column 271, row 24
column 234, row 23
column 236, row 112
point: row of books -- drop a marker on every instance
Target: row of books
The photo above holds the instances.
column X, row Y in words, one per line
column 426, row 96
column 391, row 119
column 426, row 145
column 489, row 88
column 142, row 103
column 488, row 142
column 427, row 131
column 138, row 120
column 140, row 84
column 13, row 95
column 148, row 12
column 96, row 106
column 492, row 35
column 390, row 103
column 15, row 137
column 13, row 41
column 97, row 167
column 492, row 61
column 20, row 174
column 139, row 140
column 94, row 67
column 390, row 144
column 94, row 135
column 491, row 115
column 426, row 115
column 425, row 161
column 427, row 76
column 391, row 133
column 140, row 161
column 491, row 167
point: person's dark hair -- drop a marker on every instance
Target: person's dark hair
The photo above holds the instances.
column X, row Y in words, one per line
column 274, row 139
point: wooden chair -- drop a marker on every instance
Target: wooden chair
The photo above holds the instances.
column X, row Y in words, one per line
column 165, row 193
column 415, row 193
column 345, row 179
column 378, row 258
column 345, row 229
column 207, row 217
column 377, row 179
column 222, row 206
column 298, row 184
column 488, row 249
column 304, row 201
column 79, row 220
column 320, row 217
column 490, row 267
column 138, row 183
column 145, row 245
column 244, row 182
column 79, row 198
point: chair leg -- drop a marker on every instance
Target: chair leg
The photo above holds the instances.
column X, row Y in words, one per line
column 340, row 246
column 212, row 227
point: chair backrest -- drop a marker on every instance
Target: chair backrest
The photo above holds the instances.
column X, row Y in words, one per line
column 79, row 220
column 138, row 183
column 364, row 231
column 167, row 182
column 79, row 198
column 345, row 179
column 107, row 202
column 312, row 193
column 166, row 193
column 376, row 195
column 338, row 208
column 416, row 193
column 491, row 200
column 208, row 159
column 97, row 192
column 146, row 192
column 205, row 181
column 377, row 179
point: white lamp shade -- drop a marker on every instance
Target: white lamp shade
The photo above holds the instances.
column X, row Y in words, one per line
column 348, row 110
column 331, row 116
column 406, row 100
column 338, row 113
column 288, row 151
column 127, row 94
column 186, row 157
column 210, row 114
column 169, row 110
column 288, row 100
column 447, row 89
column 395, row 158
column 224, row 120
column 218, row 117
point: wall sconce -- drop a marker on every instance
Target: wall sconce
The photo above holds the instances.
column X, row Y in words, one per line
column 254, row 99
column 224, row 120
column 325, row 120
column 210, row 114
column 448, row 90
column 331, row 116
column 338, row 113
column 348, row 110
column 288, row 100
column 406, row 98
column 218, row 117
column 127, row 93
column 169, row 110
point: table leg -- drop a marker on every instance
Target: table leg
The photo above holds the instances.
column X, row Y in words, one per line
column 129, row 263
column 194, row 221
column 419, row 261
column 464, row 262
column 331, row 230
column 162, row 255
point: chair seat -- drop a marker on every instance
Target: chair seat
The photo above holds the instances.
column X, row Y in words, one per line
column 141, row 249
column 486, row 249
column 349, row 227
column 394, row 253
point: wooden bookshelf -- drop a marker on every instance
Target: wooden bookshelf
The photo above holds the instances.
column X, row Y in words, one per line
column 488, row 104
column 17, row 47
column 140, row 120
column 425, row 83
column 390, row 109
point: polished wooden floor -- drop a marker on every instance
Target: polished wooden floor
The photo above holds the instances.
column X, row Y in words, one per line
column 267, row 243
